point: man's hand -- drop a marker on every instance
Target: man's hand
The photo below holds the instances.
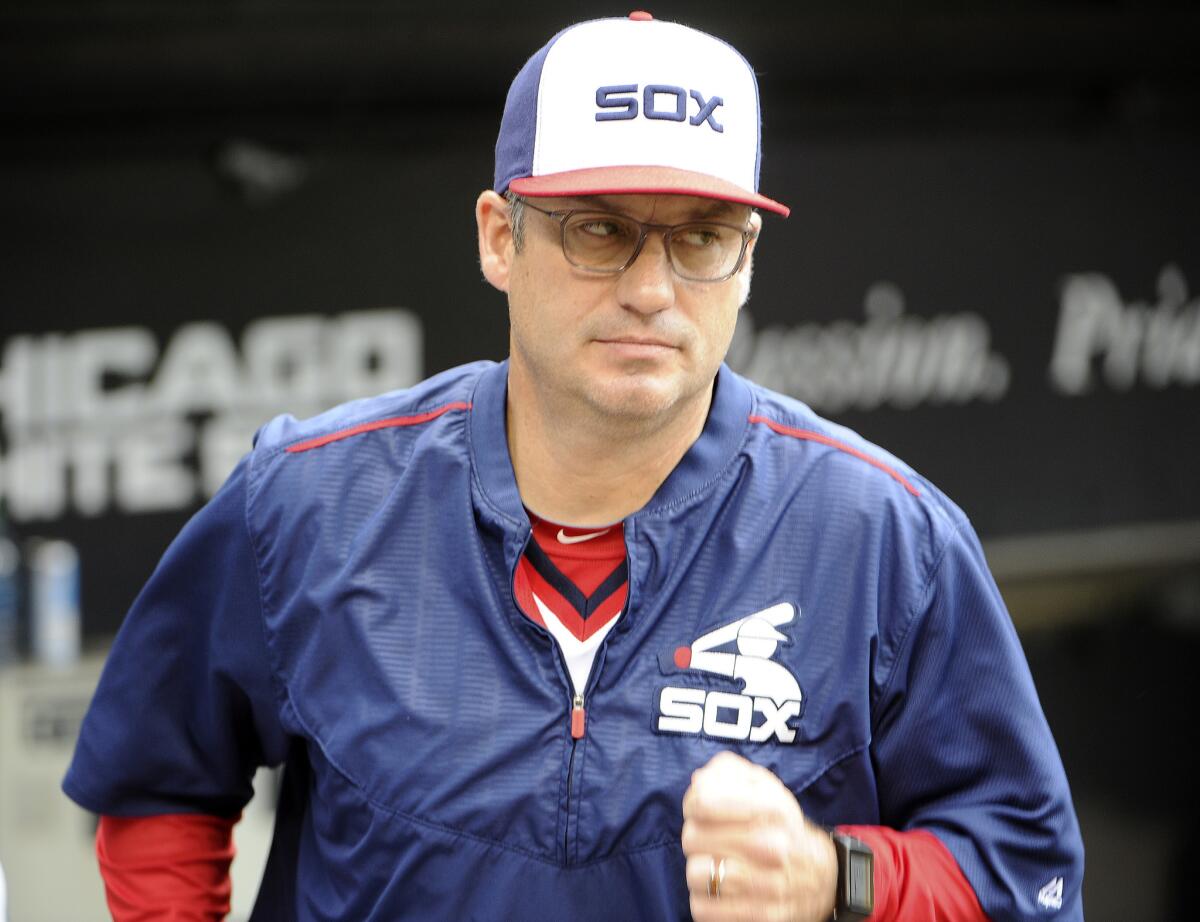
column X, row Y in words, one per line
column 778, row 865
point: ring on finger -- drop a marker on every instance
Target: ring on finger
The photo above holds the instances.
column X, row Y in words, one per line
column 716, row 877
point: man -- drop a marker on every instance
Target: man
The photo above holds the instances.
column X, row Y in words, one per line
column 603, row 631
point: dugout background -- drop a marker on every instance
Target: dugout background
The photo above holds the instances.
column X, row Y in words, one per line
column 214, row 211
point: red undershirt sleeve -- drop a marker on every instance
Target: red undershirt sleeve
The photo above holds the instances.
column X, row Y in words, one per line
column 916, row 878
column 170, row 868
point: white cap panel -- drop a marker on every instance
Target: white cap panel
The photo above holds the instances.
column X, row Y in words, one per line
column 691, row 65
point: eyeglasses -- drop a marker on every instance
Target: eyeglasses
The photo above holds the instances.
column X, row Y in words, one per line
column 608, row 243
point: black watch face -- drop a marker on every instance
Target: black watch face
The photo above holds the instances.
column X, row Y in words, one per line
column 856, row 878
column 860, row 882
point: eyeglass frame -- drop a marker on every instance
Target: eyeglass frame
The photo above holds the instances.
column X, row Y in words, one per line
column 644, row 229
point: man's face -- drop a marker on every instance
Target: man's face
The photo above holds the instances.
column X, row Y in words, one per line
column 632, row 346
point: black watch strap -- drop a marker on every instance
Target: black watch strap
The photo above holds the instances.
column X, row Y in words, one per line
column 856, row 878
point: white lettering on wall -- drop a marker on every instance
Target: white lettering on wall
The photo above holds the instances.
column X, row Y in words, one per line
column 101, row 421
column 893, row 358
column 1100, row 336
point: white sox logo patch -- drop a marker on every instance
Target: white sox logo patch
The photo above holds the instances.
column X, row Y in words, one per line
column 770, row 695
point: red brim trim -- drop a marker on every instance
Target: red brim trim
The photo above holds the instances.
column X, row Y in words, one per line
column 641, row 180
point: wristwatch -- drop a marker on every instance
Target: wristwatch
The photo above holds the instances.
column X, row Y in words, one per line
column 856, row 878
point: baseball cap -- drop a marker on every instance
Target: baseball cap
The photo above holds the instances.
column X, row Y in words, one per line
column 633, row 105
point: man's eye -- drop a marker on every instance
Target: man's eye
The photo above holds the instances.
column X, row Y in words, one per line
column 698, row 236
column 599, row 227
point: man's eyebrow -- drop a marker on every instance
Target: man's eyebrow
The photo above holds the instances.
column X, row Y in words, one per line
column 713, row 208
column 720, row 209
column 599, row 202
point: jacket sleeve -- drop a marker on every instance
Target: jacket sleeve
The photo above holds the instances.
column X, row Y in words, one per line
column 916, row 878
column 186, row 707
column 962, row 748
column 166, row 867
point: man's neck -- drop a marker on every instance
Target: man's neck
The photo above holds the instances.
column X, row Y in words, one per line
column 576, row 467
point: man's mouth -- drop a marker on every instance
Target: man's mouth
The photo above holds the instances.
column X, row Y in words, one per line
column 636, row 342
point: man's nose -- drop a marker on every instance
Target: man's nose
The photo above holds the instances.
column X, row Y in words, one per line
column 648, row 285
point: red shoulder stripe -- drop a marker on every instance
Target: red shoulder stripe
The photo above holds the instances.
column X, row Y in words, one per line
column 810, row 436
column 376, row 424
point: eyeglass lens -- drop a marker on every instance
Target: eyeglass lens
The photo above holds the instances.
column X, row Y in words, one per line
column 605, row 242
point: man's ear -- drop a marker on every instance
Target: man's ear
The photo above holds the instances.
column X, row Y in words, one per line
column 496, row 247
column 747, row 271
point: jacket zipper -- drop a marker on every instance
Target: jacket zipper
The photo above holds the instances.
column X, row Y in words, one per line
column 578, row 721
column 578, row 718
column 578, row 713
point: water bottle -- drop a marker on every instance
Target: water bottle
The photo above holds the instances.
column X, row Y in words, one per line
column 54, row 594
column 9, row 597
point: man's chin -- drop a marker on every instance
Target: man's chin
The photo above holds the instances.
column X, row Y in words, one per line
column 638, row 398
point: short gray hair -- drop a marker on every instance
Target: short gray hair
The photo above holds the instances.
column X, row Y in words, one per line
column 516, row 218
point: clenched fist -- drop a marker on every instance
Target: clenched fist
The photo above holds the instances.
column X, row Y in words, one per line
column 777, row 865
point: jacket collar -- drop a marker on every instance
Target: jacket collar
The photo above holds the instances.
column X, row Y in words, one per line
column 728, row 418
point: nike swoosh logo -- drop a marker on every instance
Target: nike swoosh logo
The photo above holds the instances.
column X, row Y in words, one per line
column 564, row 538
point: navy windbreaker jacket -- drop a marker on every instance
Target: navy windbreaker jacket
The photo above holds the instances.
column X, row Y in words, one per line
column 344, row 605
